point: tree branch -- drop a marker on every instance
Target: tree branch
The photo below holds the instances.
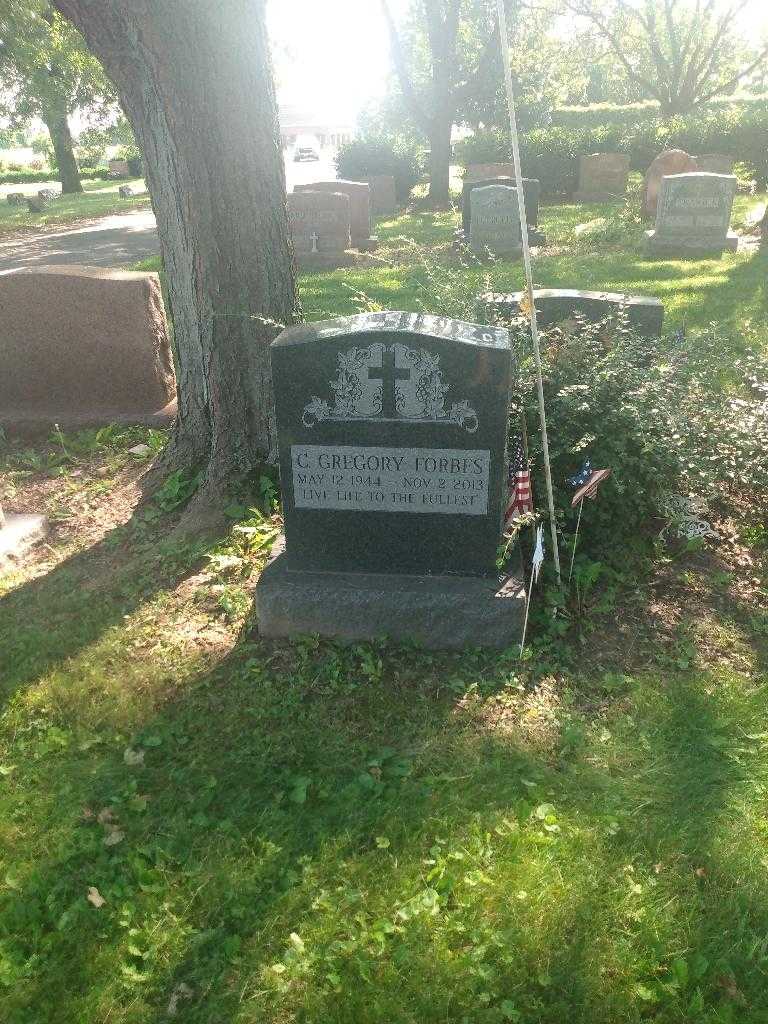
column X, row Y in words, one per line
column 406, row 84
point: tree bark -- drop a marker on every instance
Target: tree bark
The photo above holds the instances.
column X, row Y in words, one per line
column 440, row 162
column 56, row 122
column 195, row 79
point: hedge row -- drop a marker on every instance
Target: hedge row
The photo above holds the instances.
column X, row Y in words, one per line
column 34, row 177
column 551, row 154
column 628, row 114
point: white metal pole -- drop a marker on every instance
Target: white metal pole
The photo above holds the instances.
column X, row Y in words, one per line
column 528, row 276
column 575, row 539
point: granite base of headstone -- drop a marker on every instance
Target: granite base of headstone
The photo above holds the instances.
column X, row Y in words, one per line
column 81, row 346
column 644, row 313
column 602, row 177
column 392, row 442
column 18, row 533
column 359, row 193
column 531, row 194
column 693, row 216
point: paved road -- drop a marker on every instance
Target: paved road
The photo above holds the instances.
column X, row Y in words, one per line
column 122, row 239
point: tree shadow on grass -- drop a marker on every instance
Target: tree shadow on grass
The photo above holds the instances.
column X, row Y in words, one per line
column 256, row 814
column 51, row 618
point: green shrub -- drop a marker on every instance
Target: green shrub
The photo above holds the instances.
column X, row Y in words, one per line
column 551, row 154
column 658, row 412
column 371, row 154
column 27, row 177
column 630, row 114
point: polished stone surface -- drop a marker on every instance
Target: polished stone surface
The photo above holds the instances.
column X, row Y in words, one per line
column 554, row 305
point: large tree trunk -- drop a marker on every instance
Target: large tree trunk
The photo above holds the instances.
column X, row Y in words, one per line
column 55, row 118
column 195, row 79
column 440, row 162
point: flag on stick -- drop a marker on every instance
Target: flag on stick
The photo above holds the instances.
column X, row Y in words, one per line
column 586, row 482
column 519, row 495
column 536, row 564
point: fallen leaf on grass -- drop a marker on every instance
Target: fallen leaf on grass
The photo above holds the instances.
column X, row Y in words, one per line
column 105, row 815
column 114, row 836
column 133, row 758
column 94, row 897
column 700, row 872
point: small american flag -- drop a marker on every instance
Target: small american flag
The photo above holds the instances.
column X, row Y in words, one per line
column 520, row 496
column 587, row 481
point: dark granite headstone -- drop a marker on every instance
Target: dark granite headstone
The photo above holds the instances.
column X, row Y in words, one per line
column 392, row 438
column 554, row 305
column 693, row 215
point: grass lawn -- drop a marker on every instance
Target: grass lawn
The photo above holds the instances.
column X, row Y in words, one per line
column 199, row 825
column 99, row 199
column 694, row 292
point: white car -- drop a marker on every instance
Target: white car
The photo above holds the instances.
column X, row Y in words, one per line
column 306, row 149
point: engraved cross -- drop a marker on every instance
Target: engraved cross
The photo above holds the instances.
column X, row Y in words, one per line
column 388, row 375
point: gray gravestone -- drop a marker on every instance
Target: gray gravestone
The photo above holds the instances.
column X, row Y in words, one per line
column 359, row 193
column 693, row 215
column 494, row 221
column 16, row 199
column 554, row 305
column 383, row 195
column 37, row 204
column 125, row 191
column 531, row 193
column 48, row 193
column 715, row 163
column 319, row 223
column 392, row 436
column 602, row 176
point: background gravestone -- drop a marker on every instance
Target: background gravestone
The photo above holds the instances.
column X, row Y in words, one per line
column 715, row 163
column 359, row 193
column 16, row 199
column 319, row 223
column 475, row 172
column 555, row 305
column 671, row 161
column 383, row 195
column 602, row 176
column 392, row 438
column 694, row 215
column 83, row 345
column 495, row 221
column 119, row 169
column 531, row 192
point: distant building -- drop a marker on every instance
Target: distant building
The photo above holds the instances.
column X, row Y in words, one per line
column 329, row 131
